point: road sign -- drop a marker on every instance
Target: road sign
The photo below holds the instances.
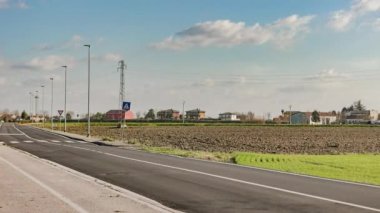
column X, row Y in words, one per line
column 126, row 105
column 60, row 112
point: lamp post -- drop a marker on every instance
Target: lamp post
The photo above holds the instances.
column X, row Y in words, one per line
column 88, row 97
column 30, row 105
column 51, row 107
column 43, row 113
column 64, row 110
column 36, row 102
column 183, row 112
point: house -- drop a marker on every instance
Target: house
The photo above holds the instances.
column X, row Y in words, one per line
column 118, row 114
column 360, row 116
column 228, row 116
column 325, row 118
column 169, row 114
column 299, row 117
column 195, row 114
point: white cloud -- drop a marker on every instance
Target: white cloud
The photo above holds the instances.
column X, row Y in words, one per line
column 341, row 20
column 75, row 41
column 22, row 5
column 4, row 4
column 47, row 63
column 328, row 75
column 3, row 80
column 112, row 57
column 225, row 33
column 108, row 57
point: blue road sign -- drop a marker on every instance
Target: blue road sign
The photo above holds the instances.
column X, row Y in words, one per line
column 126, row 105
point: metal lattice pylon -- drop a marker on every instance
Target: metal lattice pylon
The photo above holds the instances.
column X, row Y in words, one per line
column 121, row 67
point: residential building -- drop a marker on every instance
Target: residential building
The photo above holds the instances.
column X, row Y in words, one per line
column 325, row 118
column 117, row 115
column 360, row 116
column 195, row 114
column 228, row 116
column 299, row 118
column 169, row 114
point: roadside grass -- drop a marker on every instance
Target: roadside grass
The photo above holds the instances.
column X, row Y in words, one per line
column 215, row 156
column 363, row 168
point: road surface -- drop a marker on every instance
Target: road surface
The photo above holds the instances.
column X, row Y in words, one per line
column 193, row 185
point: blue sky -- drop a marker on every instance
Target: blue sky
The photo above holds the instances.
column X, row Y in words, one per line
column 238, row 56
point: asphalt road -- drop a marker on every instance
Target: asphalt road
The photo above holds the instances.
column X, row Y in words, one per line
column 192, row 185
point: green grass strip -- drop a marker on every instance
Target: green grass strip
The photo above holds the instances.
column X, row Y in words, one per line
column 363, row 168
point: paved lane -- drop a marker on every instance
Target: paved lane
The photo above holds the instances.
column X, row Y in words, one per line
column 198, row 186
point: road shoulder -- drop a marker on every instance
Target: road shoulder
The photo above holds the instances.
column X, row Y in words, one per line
column 32, row 184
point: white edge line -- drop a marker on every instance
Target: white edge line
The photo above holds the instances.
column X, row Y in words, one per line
column 121, row 191
column 52, row 191
column 230, row 179
column 263, row 169
column 243, row 166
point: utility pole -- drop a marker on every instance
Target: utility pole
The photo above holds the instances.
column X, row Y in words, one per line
column 88, row 102
column 65, row 113
column 121, row 67
column 36, row 104
column 30, row 105
column 43, row 113
column 183, row 112
column 290, row 114
column 51, row 107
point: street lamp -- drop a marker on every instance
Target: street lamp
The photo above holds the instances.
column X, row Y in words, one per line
column 43, row 113
column 36, row 102
column 88, row 97
column 51, row 107
column 64, row 111
column 30, row 104
column 183, row 112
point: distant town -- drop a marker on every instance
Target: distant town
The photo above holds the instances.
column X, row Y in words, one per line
column 356, row 113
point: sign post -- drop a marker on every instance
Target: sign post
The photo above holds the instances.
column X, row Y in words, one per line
column 60, row 115
column 125, row 107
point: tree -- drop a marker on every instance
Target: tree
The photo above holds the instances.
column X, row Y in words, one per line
column 24, row 115
column 359, row 106
column 315, row 116
column 98, row 116
column 70, row 115
column 150, row 115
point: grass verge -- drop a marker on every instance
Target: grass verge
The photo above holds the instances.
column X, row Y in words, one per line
column 361, row 168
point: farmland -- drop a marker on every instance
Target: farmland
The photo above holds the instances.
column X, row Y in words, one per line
column 259, row 139
column 340, row 152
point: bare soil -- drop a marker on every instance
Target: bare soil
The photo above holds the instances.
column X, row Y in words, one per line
column 271, row 139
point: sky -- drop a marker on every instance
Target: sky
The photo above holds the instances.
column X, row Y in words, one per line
column 216, row 55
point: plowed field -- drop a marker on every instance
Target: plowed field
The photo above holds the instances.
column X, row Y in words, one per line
column 270, row 139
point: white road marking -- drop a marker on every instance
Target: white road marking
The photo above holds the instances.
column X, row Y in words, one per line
column 28, row 141
column 52, row 191
column 69, row 141
column 227, row 178
column 13, row 142
column 231, row 179
column 6, row 134
column 249, row 167
column 41, row 140
column 55, row 141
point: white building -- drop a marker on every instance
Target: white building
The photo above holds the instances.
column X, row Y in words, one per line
column 325, row 118
column 228, row 116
